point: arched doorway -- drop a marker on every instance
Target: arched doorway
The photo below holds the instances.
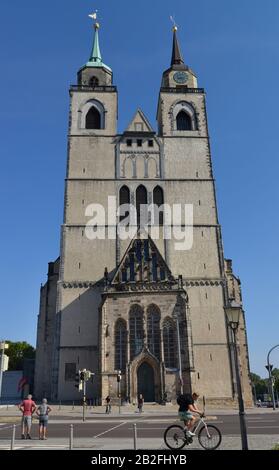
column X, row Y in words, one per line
column 146, row 384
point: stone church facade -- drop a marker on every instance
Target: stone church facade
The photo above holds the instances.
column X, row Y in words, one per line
column 140, row 306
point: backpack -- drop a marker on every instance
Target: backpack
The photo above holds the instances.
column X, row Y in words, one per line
column 184, row 399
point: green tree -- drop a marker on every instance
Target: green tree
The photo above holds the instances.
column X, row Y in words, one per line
column 275, row 374
column 259, row 384
column 18, row 351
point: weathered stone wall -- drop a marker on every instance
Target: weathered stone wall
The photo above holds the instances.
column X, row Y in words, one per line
column 46, row 333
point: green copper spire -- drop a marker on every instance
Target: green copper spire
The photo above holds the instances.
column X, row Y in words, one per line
column 96, row 57
column 96, row 53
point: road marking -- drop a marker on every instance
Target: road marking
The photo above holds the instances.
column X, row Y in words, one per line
column 268, row 420
column 140, row 429
column 44, row 446
column 111, row 429
column 260, row 427
column 35, row 447
column 10, row 427
column 9, row 447
column 263, row 420
column 260, row 419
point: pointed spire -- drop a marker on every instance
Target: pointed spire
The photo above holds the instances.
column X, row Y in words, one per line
column 96, row 53
column 176, row 58
column 95, row 59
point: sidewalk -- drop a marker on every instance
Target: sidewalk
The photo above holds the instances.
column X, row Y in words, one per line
column 149, row 410
column 259, row 442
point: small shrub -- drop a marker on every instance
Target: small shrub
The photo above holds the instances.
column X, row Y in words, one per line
column 276, row 447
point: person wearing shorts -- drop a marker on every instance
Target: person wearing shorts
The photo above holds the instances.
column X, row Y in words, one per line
column 27, row 407
column 187, row 407
column 43, row 412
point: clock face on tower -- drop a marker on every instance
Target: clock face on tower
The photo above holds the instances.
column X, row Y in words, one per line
column 180, row 77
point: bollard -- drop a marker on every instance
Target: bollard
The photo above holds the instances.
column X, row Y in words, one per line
column 135, row 437
column 13, row 437
column 60, row 405
column 7, row 407
column 71, row 437
column 73, row 407
column 90, row 403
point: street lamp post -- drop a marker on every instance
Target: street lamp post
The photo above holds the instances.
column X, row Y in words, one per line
column 269, row 368
column 233, row 314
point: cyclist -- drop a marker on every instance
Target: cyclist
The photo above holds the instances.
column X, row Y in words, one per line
column 187, row 406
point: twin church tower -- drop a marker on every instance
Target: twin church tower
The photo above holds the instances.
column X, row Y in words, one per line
column 140, row 305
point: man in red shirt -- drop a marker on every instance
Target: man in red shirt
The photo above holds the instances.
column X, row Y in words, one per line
column 28, row 408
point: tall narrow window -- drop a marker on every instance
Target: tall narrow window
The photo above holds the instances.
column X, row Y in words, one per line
column 124, row 198
column 169, row 339
column 153, row 330
column 94, row 81
column 120, row 345
column 132, row 267
column 141, row 205
column 136, row 330
column 183, row 121
column 93, row 119
column 154, row 267
column 158, row 200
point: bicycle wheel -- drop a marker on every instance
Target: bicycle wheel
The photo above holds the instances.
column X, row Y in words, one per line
column 174, row 437
column 209, row 437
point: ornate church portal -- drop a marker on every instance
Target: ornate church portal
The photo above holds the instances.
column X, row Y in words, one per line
column 145, row 379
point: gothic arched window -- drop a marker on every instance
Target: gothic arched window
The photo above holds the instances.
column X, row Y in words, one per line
column 158, row 200
column 120, row 345
column 136, row 330
column 153, row 330
column 92, row 115
column 169, row 339
column 183, row 121
column 93, row 119
column 141, row 200
column 124, row 198
column 94, row 81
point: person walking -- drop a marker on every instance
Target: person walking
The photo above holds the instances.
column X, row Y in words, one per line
column 140, row 403
column 28, row 408
column 108, row 405
column 43, row 411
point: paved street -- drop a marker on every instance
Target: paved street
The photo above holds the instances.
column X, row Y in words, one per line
column 115, row 431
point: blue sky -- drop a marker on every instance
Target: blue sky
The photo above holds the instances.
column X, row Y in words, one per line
column 233, row 48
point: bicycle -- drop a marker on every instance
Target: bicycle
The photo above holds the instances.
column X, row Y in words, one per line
column 209, row 436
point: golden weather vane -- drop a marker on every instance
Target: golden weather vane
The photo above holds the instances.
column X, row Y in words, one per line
column 94, row 17
column 174, row 27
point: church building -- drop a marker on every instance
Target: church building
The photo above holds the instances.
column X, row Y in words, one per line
column 140, row 306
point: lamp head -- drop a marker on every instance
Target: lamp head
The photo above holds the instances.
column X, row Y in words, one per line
column 233, row 315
